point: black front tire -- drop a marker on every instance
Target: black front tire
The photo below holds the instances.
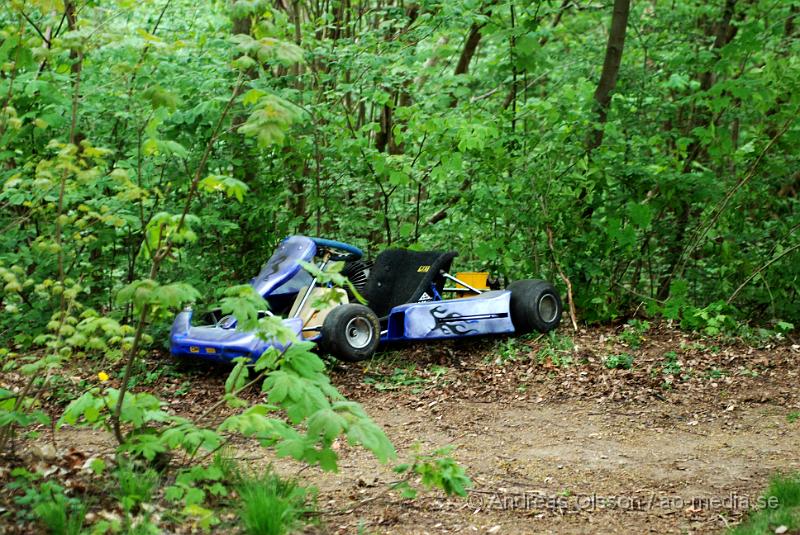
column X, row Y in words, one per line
column 351, row 332
column 535, row 304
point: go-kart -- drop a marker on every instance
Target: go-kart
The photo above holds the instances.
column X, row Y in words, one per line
column 404, row 291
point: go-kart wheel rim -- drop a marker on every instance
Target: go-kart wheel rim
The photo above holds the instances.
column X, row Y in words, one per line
column 359, row 332
column 548, row 308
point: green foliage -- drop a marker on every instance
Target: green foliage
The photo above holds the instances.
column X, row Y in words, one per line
column 400, row 378
column 689, row 194
column 633, row 333
column 227, row 185
column 123, row 143
column 267, row 48
column 59, row 517
column 672, row 365
column 270, row 118
column 435, row 470
column 22, row 415
column 136, row 486
column 332, row 275
column 557, row 349
column 786, row 488
column 510, row 349
column 672, row 370
column 48, row 504
column 155, row 296
column 784, row 327
column 618, row 362
column 646, row 195
column 195, row 486
column 716, row 373
column 246, row 303
column 295, row 383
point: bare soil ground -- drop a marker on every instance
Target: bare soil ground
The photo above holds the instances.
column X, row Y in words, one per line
column 553, row 440
column 578, row 448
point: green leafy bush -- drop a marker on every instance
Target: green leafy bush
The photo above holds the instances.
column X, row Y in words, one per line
column 144, row 168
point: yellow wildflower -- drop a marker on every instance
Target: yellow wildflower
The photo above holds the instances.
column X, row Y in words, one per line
column 103, row 376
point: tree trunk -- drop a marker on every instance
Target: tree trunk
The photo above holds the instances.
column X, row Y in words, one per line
column 242, row 25
column 469, row 49
column 788, row 26
column 470, row 46
column 608, row 78
column 71, row 14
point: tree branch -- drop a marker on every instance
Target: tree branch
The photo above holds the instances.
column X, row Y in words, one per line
column 35, row 27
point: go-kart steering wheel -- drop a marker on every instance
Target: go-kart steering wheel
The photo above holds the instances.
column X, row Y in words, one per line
column 339, row 251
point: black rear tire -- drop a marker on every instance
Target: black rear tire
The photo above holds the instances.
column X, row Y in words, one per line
column 535, row 304
column 351, row 332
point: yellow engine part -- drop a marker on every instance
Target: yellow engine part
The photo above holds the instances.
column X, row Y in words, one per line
column 476, row 279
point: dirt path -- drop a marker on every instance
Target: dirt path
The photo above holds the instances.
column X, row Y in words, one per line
column 555, row 442
column 536, row 468
column 619, row 457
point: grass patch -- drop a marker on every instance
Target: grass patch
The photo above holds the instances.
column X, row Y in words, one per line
column 269, row 505
column 60, row 516
column 780, row 509
column 135, row 486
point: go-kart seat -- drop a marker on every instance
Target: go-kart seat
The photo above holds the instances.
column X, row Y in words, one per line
column 401, row 276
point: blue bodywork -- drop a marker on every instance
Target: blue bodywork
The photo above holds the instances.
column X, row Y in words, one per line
column 279, row 281
column 487, row 313
column 282, row 278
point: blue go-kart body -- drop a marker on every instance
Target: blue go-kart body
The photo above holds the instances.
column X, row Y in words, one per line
column 404, row 292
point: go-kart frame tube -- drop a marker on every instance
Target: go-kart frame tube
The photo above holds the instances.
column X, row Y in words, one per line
column 310, row 287
column 462, row 283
